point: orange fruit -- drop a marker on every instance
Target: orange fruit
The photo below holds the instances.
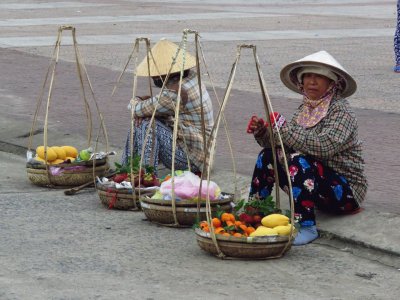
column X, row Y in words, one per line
column 243, row 227
column 226, row 234
column 229, row 223
column 232, row 216
column 237, row 234
column 250, row 230
column 219, row 230
column 203, row 224
column 206, row 229
column 216, row 222
column 238, row 223
column 225, row 217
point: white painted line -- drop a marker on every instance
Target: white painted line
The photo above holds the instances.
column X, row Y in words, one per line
column 49, row 5
column 38, row 41
column 138, row 18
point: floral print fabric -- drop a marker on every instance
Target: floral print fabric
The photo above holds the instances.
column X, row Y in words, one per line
column 313, row 185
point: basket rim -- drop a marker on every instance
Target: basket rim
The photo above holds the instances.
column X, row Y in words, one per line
column 187, row 202
column 41, row 166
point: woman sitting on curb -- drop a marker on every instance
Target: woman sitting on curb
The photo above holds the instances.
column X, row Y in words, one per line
column 323, row 151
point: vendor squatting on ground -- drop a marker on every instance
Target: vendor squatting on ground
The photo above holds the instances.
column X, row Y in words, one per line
column 190, row 123
column 324, row 154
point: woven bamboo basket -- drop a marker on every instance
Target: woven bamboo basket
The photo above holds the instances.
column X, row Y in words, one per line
column 244, row 247
column 38, row 174
column 121, row 198
column 72, row 174
column 161, row 211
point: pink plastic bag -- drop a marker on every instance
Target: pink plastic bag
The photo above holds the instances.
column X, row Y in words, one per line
column 187, row 186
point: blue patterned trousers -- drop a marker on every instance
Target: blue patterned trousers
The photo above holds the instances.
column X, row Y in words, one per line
column 162, row 147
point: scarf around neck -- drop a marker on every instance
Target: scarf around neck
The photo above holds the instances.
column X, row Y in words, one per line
column 313, row 111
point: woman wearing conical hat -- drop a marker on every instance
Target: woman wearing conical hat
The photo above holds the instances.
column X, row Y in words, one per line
column 190, row 119
column 323, row 150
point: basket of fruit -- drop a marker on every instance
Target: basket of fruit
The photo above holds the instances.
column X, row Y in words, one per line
column 64, row 166
column 117, row 192
column 186, row 210
column 258, row 232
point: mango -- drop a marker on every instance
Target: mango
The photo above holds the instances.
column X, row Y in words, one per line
column 70, row 151
column 61, row 154
column 57, row 161
column 39, row 159
column 264, row 231
column 283, row 230
column 274, row 220
column 51, row 154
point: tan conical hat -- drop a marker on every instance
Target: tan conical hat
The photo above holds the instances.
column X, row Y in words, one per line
column 163, row 53
column 318, row 59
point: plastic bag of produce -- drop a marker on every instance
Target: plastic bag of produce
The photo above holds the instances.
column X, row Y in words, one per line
column 187, row 186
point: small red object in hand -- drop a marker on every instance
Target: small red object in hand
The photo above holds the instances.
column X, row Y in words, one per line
column 254, row 123
column 276, row 119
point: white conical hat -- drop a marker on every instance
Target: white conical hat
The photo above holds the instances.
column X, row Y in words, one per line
column 163, row 53
column 320, row 59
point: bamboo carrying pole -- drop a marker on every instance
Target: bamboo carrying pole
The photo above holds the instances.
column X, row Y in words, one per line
column 268, row 110
column 83, row 76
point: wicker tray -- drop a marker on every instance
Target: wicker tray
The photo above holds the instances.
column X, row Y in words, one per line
column 120, row 198
column 38, row 174
column 244, row 247
column 161, row 211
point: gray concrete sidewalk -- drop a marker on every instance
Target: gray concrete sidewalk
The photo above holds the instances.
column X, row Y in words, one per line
column 369, row 233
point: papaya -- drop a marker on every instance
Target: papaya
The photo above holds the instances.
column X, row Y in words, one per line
column 274, row 220
column 263, row 231
column 61, row 154
column 51, row 154
column 70, row 151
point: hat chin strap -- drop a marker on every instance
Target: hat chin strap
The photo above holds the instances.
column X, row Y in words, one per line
column 316, row 70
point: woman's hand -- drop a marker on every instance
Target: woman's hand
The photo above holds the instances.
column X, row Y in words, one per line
column 255, row 125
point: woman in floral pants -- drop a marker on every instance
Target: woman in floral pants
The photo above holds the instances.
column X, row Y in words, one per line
column 312, row 185
column 321, row 143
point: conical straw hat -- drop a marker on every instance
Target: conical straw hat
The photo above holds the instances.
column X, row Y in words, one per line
column 320, row 59
column 163, row 53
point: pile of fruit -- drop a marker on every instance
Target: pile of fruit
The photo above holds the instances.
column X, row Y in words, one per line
column 144, row 177
column 229, row 225
column 256, row 217
column 60, row 154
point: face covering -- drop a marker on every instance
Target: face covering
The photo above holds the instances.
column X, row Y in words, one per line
column 313, row 111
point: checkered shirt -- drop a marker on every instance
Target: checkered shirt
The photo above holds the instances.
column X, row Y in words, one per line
column 334, row 141
column 190, row 129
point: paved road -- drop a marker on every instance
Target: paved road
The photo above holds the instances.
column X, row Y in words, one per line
column 115, row 263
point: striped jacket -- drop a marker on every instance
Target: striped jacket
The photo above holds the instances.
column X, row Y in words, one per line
column 190, row 127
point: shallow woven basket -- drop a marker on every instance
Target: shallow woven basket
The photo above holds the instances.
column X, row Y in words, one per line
column 244, row 247
column 38, row 174
column 161, row 211
column 122, row 198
